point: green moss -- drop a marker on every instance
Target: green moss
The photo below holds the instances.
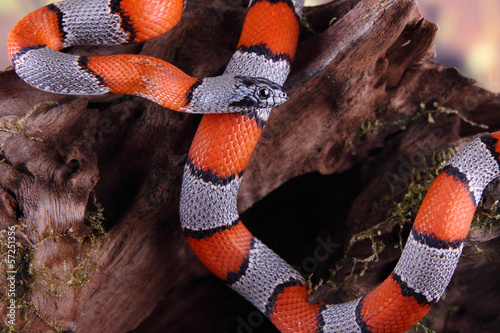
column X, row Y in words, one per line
column 43, row 278
column 7, row 329
column 401, row 214
column 49, row 323
column 403, row 123
column 404, row 211
column 486, row 218
column 17, row 126
column 96, row 221
column 424, row 328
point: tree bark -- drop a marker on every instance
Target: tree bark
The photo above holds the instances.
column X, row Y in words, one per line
column 92, row 184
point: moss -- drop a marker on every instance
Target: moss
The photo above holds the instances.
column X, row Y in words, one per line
column 49, row 323
column 402, row 213
column 17, row 126
column 486, row 218
column 424, row 111
column 7, row 329
column 96, row 220
column 79, row 275
column 43, row 278
column 424, row 328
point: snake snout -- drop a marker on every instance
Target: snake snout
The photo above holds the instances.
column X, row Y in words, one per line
column 283, row 96
column 279, row 98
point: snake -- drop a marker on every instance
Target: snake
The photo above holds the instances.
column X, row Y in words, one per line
column 236, row 106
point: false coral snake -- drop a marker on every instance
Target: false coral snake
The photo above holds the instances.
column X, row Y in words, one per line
column 224, row 143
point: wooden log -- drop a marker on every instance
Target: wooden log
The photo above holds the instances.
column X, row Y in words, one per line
column 92, row 184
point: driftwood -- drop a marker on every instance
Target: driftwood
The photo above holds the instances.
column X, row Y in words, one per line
column 91, row 184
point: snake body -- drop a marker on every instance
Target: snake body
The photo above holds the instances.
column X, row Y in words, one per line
column 34, row 45
column 224, row 143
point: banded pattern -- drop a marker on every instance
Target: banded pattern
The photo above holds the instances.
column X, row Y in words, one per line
column 426, row 266
column 217, row 159
column 433, row 249
column 224, row 143
column 35, row 42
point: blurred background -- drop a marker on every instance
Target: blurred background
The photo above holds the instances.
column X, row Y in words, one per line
column 468, row 36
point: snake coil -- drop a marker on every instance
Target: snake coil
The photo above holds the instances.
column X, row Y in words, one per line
column 220, row 151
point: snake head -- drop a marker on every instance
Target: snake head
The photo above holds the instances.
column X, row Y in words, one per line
column 256, row 92
column 228, row 93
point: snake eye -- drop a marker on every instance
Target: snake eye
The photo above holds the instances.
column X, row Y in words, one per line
column 264, row 93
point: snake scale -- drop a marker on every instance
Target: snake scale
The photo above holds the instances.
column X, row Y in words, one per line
column 237, row 105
